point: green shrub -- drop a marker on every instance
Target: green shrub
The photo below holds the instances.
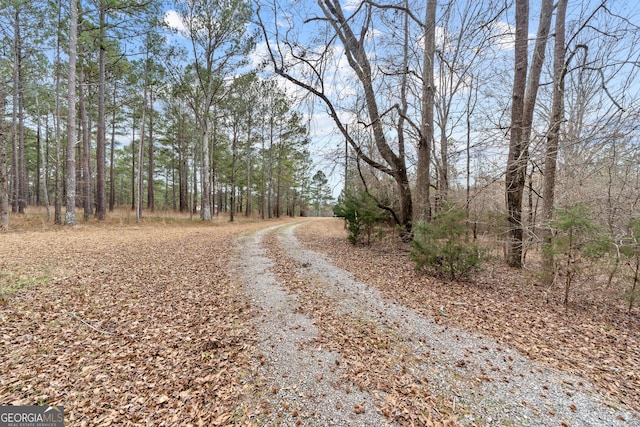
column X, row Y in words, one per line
column 630, row 252
column 440, row 247
column 361, row 213
column 576, row 240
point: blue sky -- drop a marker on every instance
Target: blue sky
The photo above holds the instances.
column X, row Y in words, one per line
column 328, row 144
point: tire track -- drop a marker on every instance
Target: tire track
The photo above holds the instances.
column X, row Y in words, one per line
column 489, row 383
column 297, row 382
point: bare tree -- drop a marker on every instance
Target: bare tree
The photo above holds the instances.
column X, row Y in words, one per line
column 515, row 169
column 462, row 47
column 557, row 113
column 525, row 89
column 309, row 67
column 423, row 171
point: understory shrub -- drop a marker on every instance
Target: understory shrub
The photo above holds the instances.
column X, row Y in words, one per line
column 440, row 247
column 361, row 213
column 576, row 241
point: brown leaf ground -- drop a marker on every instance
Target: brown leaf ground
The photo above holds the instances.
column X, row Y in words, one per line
column 124, row 325
column 407, row 399
column 594, row 338
column 146, row 324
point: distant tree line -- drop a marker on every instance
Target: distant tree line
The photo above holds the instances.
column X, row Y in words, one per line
column 105, row 104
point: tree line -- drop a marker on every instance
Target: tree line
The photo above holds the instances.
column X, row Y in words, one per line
column 108, row 104
column 511, row 110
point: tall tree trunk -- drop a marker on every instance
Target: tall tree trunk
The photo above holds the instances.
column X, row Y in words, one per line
column 194, row 209
column 183, row 166
column 23, row 183
column 471, row 101
column 248, row 206
column 234, row 155
column 551, row 155
column 525, row 90
column 443, row 170
column 423, row 178
column 278, row 208
column 86, row 142
column 101, row 160
column 133, row 160
column 515, row 171
column 141, row 145
column 212, row 166
column 174, row 205
column 262, row 177
column 150, row 190
column 70, row 213
column 15, row 165
column 112, row 186
column 535, row 70
column 270, row 179
column 420, row 194
column 38, row 160
column 4, row 178
column 205, row 200
column 45, row 172
column 57, row 209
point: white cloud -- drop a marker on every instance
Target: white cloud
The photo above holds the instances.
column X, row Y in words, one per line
column 258, row 55
column 504, row 35
column 351, row 4
column 174, row 21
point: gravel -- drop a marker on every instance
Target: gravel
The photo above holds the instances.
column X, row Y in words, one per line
column 297, row 381
column 486, row 382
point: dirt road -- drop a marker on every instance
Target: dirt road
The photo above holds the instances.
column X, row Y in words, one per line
column 321, row 333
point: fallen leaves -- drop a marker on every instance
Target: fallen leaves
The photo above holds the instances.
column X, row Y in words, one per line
column 371, row 352
column 595, row 338
column 147, row 325
column 132, row 326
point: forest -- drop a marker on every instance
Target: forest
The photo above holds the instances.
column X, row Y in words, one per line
column 509, row 111
column 164, row 167
column 101, row 109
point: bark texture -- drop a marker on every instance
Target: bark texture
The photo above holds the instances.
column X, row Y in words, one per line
column 423, row 180
column 4, row 188
column 553, row 136
column 70, row 178
column 525, row 89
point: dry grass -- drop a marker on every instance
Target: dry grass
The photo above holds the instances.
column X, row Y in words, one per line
column 36, row 219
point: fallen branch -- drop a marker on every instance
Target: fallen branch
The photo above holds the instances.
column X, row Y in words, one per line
column 75, row 316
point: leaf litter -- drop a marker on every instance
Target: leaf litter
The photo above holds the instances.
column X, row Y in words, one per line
column 154, row 325
column 594, row 340
column 135, row 326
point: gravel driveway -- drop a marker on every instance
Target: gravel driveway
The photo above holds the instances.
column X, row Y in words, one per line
column 303, row 381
